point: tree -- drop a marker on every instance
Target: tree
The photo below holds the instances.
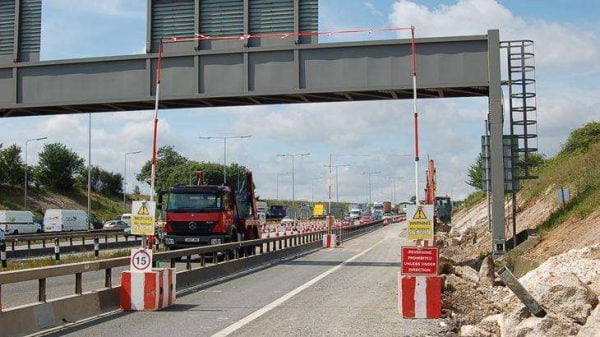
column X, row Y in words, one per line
column 57, row 166
column 102, row 181
column 475, row 174
column 136, row 190
column 11, row 165
column 173, row 169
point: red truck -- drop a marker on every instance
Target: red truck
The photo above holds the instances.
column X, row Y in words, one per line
column 209, row 214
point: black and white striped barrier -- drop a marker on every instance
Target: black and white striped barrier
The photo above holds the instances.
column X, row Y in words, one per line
column 57, row 249
column 96, row 247
column 3, row 254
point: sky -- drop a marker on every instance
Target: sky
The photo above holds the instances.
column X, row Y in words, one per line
column 567, row 43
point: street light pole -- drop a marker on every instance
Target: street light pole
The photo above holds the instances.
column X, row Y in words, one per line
column 370, row 173
column 293, row 156
column 26, row 168
column 125, row 177
column 224, row 151
column 280, row 175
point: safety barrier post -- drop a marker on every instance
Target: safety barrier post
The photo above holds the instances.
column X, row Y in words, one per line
column 96, row 247
column 3, row 254
column 57, row 249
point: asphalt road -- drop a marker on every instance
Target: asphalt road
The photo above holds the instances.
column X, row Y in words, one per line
column 349, row 291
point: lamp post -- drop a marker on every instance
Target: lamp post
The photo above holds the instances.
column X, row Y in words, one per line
column 293, row 156
column 337, row 190
column 280, row 175
column 370, row 174
column 125, row 177
column 26, row 169
column 224, row 151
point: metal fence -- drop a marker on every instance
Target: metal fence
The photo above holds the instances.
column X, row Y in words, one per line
column 204, row 256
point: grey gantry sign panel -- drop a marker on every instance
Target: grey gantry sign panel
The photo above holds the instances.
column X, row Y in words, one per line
column 20, row 30
column 185, row 18
column 330, row 72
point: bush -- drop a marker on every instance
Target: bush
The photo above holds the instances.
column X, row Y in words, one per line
column 581, row 139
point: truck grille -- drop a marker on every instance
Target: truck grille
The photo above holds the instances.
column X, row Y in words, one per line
column 192, row 227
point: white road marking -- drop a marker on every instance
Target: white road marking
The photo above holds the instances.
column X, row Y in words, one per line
column 258, row 313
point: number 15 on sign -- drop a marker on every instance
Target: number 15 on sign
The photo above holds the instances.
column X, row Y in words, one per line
column 141, row 260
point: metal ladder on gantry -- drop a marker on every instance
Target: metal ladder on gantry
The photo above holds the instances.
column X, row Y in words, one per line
column 521, row 85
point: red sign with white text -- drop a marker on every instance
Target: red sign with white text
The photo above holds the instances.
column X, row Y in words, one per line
column 419, row 261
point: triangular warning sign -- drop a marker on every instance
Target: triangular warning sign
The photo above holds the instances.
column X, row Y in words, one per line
column 419, row 214
column 143, row 210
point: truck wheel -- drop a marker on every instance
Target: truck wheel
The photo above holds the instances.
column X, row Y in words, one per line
column 16, row 232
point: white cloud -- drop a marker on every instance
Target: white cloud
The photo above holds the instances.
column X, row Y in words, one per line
column 374, row 11
column 557, row 45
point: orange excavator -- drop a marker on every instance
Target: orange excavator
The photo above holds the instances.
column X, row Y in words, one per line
column 442, row 205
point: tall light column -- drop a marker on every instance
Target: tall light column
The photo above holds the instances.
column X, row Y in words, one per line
column 370, row 174
column 224, row 151
column 26, row 183
column 293, row 156
column 280, row 175
column 125, row 177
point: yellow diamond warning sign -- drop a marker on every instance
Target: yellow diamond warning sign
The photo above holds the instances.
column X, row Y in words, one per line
column 419, row 214
column 420, row 227
column 143, row 210
column 142, row 218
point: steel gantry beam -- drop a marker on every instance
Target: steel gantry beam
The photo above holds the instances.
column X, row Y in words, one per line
column 302, row 73
column 252, row 74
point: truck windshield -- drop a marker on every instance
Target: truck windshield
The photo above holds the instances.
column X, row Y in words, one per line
column 194, row 202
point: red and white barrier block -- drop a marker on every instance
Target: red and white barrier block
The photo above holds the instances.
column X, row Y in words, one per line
column 420, row 296
column 150, row 290
column 329, row 241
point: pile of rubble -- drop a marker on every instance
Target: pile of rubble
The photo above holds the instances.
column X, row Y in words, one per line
column 567, row 286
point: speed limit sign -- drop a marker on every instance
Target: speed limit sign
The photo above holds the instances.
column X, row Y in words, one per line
column 141, row 260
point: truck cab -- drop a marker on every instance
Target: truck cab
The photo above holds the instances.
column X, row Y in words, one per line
column 199, row 215
column 209, row 215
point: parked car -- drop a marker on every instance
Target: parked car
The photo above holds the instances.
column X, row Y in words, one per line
column 58, row 220
column 387, row 216
column 115, row 224
column 18, row 222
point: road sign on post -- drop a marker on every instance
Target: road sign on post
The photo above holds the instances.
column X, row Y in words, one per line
column 419, row 261
column 143, row 217
column 141, row 260
column 420, row 222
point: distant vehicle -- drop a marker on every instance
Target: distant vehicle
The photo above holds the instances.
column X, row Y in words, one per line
column 387, row 216
column 115, row 224
column 276, row 212
column 59, row 220
column 355, row 213
column 443, row 209
column 318, row 211
column 261, row 206
column 18, row 222
column 287, row 221
column 377, row 210
column 365, row 219
column 126, row 218
column 387, row 207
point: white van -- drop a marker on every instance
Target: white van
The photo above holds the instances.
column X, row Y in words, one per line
column 126, row 218
column 18, row 222
column 59, row 220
